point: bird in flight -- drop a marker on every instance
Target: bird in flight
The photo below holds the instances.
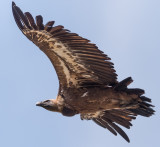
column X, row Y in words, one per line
column 87, row 80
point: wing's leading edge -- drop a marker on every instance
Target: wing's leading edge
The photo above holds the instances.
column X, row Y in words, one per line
column 77, row 62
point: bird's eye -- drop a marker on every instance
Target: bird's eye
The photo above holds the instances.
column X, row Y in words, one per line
column 46, row 101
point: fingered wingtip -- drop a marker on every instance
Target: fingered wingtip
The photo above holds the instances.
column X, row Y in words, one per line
column 13, row 4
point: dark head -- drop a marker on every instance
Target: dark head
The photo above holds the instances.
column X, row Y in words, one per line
column 50, row 105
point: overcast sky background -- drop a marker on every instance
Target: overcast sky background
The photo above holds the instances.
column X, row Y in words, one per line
column 128, row 31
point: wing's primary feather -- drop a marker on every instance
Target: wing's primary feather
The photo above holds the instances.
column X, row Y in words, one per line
column 110, row 118
column 104, row 124
column 77, row 62
column 80, row 63
column 31, row 20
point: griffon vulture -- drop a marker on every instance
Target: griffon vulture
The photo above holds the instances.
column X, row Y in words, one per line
column 87, row 80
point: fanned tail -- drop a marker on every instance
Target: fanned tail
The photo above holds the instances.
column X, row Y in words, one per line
column 110, row 118
column 144, row 107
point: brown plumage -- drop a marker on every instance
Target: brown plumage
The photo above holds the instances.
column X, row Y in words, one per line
column 87, row 79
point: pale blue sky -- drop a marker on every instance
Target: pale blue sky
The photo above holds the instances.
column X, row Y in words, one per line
column 127, row 30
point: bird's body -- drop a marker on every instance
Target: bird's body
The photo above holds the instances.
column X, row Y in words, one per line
column 87, row 80
column 92, row 100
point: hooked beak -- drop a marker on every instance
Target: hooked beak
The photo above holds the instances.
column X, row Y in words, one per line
column 39, row 104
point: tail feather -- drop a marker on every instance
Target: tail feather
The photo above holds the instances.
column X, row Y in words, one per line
column 136, row 91
column 145, row 99
column 113, row 118
column 144, row 107
column 123, row 84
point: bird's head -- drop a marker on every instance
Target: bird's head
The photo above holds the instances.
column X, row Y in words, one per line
column 50, row 105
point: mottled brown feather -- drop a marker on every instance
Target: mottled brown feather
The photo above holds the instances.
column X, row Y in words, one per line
column 84, row 54
column 79, row 63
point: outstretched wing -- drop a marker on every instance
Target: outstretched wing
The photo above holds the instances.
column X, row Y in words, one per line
column 109, row 120
column 77, row 61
